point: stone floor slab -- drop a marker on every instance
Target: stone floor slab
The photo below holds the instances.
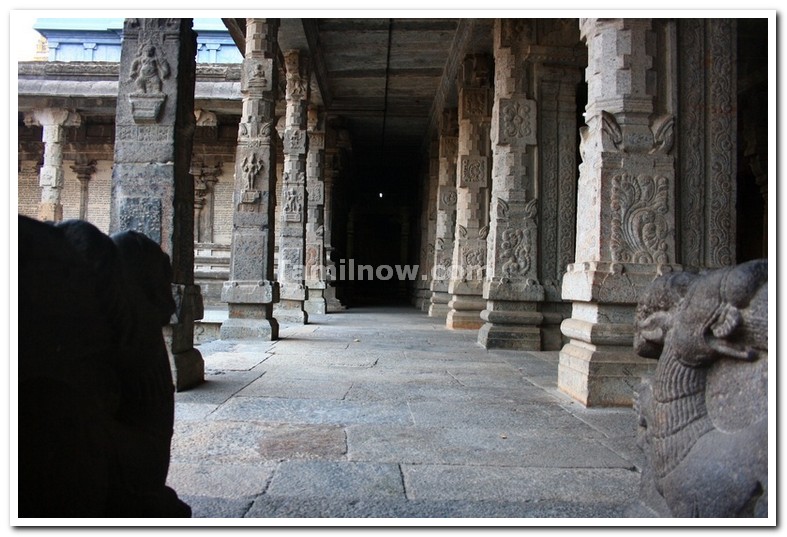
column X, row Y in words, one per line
column 476, row 483
column 347, row 480
column 268, row 386
column 219, row 480
column 311, row 411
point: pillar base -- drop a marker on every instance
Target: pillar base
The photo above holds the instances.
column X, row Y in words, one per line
column 291, row 311
column 602, row 377
column 510, row 336
column 189, row 370
column 315, row 306
column 333, row 304
column 465, row 313
column 267, row 329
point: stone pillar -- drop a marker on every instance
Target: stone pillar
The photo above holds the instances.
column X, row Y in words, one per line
column 472, row 185
column 315, row 227
column 292, row 233
column 251, row 290
column 206, row 174
column 84, row 168
column 625, row 207
column 332, row 159
column 427, row 224
column 511, row 288
column 152, row 189
column 445, row 218
column 54, row 122
column 707, row 141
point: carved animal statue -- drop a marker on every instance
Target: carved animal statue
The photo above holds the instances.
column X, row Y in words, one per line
column 96, row 398
column 705, row 411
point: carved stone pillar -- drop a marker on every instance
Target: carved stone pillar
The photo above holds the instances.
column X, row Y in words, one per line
column 84, row 168
column 332, row 172
column 54, row 121
column 625, row 206
column 251, row 290
column 427, row 223
column 292, row 233
column 707, row 141
column 206, row 174
column 511, row 288
column 152, row 189
column 472, row 185
column 445, row 217
column 315, row 196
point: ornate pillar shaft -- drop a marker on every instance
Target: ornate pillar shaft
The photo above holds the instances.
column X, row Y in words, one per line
column 251, row 291
column 445, row 217
column 315, row 227
column 511, row 288
column 206, row 175
column 152, row 189
column 54, row 122
column 625, row 206
column 331, row 173
column 472, row 185
column 292, row 231
column 427, row 224
column 84, row 169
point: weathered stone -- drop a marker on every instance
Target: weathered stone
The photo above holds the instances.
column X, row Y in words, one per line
column 704, row 414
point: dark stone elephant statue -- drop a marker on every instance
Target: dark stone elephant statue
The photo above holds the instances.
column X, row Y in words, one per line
column 704, row 413
column 95, row 391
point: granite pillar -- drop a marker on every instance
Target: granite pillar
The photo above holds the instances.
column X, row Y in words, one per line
column 251, row 290
column 625, row 207
column 332, row 173
column 445, row 217
column 472, row 185
column 428, row 218
column 292, row 229
column 206, row 174
column 54, row 122
column 512, row 288
column 84, row 168
column 315, row 227
column 152, row 190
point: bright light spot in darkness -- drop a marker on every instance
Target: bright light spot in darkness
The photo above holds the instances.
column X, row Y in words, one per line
column 381, row 194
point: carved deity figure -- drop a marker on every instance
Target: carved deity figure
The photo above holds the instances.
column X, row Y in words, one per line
column 149, row 69
column 703, row 416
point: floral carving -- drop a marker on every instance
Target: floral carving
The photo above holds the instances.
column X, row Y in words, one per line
column 475, row 257
column 639, row 227
column 473, row 170
column 517, row 121
column 516, row 253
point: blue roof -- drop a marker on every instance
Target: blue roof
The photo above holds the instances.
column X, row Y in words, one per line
column 210, row 25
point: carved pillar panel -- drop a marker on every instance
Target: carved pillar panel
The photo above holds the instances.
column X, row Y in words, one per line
column 251, row 291
column 511, row 287
column 472, row 186
column 54, row 122
column 333, row 172
column 625, row 207
column 707, row 138
column 315, row 226
column 152, row 189
column 292, row 230
column 445, row 217
column 84, row 168
column 206, row 175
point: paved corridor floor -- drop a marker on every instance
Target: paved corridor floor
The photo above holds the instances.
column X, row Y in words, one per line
column 383, row 412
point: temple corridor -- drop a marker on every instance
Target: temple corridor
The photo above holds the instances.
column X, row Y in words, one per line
column 383, row 412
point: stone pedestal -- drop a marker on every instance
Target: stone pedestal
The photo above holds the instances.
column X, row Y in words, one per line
column 152, row 189
column 251, row 291
column 53, row 121
column 445, row 218
column 472, row 185
column 625, row 207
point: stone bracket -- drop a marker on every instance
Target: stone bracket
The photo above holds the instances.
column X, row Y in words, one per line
column 146, row 107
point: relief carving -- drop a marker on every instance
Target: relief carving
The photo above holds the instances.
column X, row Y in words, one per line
column 639, row 227
column 473, row 171
column 148, row 71
column 704, row 414
column 293, row 205
column 517, row 121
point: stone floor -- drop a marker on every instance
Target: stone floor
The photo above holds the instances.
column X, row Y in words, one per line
column 383, row 412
